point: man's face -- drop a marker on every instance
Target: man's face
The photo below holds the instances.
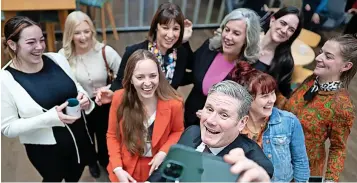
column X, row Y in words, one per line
column 220, row 123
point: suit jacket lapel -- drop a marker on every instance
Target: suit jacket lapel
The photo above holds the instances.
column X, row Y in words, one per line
column 236, row 143
column 207, row 61
column 162, row 120
column 191, row 137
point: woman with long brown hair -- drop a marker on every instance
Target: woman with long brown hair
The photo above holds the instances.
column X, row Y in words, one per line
column 145, row 119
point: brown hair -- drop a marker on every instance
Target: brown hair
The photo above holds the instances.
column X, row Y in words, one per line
column 12, row 31
column 166, row 13
column 253, row 80
column 131, row 109
column 348, row 50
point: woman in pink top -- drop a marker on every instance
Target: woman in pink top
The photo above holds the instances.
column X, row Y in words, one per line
column 216, row 58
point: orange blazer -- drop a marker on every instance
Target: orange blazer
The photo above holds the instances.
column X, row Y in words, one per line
column 168, row 128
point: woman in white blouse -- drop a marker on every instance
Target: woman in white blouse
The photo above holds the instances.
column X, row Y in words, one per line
column 90, row 62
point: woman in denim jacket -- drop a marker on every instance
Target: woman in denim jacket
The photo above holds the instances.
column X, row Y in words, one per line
column 279, row 133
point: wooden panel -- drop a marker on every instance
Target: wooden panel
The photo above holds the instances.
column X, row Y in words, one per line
column 302, row 53
column 27, row 5
column 310, row 38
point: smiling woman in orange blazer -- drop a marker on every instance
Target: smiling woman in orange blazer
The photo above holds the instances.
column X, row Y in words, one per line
column 145, row 119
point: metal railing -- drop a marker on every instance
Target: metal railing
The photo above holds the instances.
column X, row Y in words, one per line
column 143, row 5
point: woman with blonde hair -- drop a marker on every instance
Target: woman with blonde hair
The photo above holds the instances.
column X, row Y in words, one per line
column 92, row 63
column 145, row 119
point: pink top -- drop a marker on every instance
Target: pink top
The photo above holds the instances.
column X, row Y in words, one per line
column 217, row 71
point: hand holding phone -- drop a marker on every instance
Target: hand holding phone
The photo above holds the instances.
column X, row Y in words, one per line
column 185, row 164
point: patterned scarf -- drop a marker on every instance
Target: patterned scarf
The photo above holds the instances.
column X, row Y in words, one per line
column 329, row 86
column 168, row 67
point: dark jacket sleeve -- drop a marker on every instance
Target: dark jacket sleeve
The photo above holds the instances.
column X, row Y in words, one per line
column 117, row 83
column 257, row 155
column 187, row 78
column 193, row 57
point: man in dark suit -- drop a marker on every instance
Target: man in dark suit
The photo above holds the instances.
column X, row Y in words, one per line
column 224, row 115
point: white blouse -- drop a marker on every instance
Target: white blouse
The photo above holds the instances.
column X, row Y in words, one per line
column 148, row 152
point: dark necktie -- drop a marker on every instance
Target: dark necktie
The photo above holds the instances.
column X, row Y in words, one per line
column 207, row 150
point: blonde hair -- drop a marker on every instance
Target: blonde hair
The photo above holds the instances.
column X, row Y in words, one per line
column 72, row 21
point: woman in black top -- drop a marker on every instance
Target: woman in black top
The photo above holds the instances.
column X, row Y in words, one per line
column 275, row 54
column 165, row 39
column 35, row 87
column 167, row 33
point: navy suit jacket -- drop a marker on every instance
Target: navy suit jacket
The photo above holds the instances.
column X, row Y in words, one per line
column 192, row 137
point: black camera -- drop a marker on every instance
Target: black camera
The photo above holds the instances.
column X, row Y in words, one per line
column 173, row 170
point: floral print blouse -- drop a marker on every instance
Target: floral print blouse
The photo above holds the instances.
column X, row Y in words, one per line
column 329, row 115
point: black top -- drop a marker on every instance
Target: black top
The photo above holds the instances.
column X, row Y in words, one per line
column 261, row 66
column 49, row 87
column 191, row 137
column 184, row 54
column 281, row 73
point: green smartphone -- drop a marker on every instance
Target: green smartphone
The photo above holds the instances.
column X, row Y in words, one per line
column 185, row 164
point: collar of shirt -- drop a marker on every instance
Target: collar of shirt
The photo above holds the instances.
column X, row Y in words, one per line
column 214, row 151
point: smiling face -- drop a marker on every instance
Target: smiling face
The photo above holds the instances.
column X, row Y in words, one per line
column 145, row 78
column 167, row 34
column 234, row 37
column 283, row 28
column 82, row 36
column 30, row 45
column 329, row 63
column 220, row 123
column 263, row 104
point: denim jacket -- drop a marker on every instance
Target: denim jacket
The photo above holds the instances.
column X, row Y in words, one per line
column 284, row 145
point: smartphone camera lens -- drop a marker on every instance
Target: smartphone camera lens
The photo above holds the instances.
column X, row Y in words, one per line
column 173, row 170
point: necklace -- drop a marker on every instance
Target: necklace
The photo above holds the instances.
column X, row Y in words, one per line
column 254, row 134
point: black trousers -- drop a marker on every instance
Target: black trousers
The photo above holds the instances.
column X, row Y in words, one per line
column 60, row 161
column 97, row 122
column 54, row 165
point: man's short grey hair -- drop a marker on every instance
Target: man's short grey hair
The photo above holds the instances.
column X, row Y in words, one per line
column 252, row 20
column 236, row 91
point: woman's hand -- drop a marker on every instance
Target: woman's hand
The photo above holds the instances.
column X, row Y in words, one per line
column 187, row 33
column 352, row 10
column 124, row 176
column 63, row 117
column 156, row 161
column 315, row 18
column 104, row 96
column 83, row 101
